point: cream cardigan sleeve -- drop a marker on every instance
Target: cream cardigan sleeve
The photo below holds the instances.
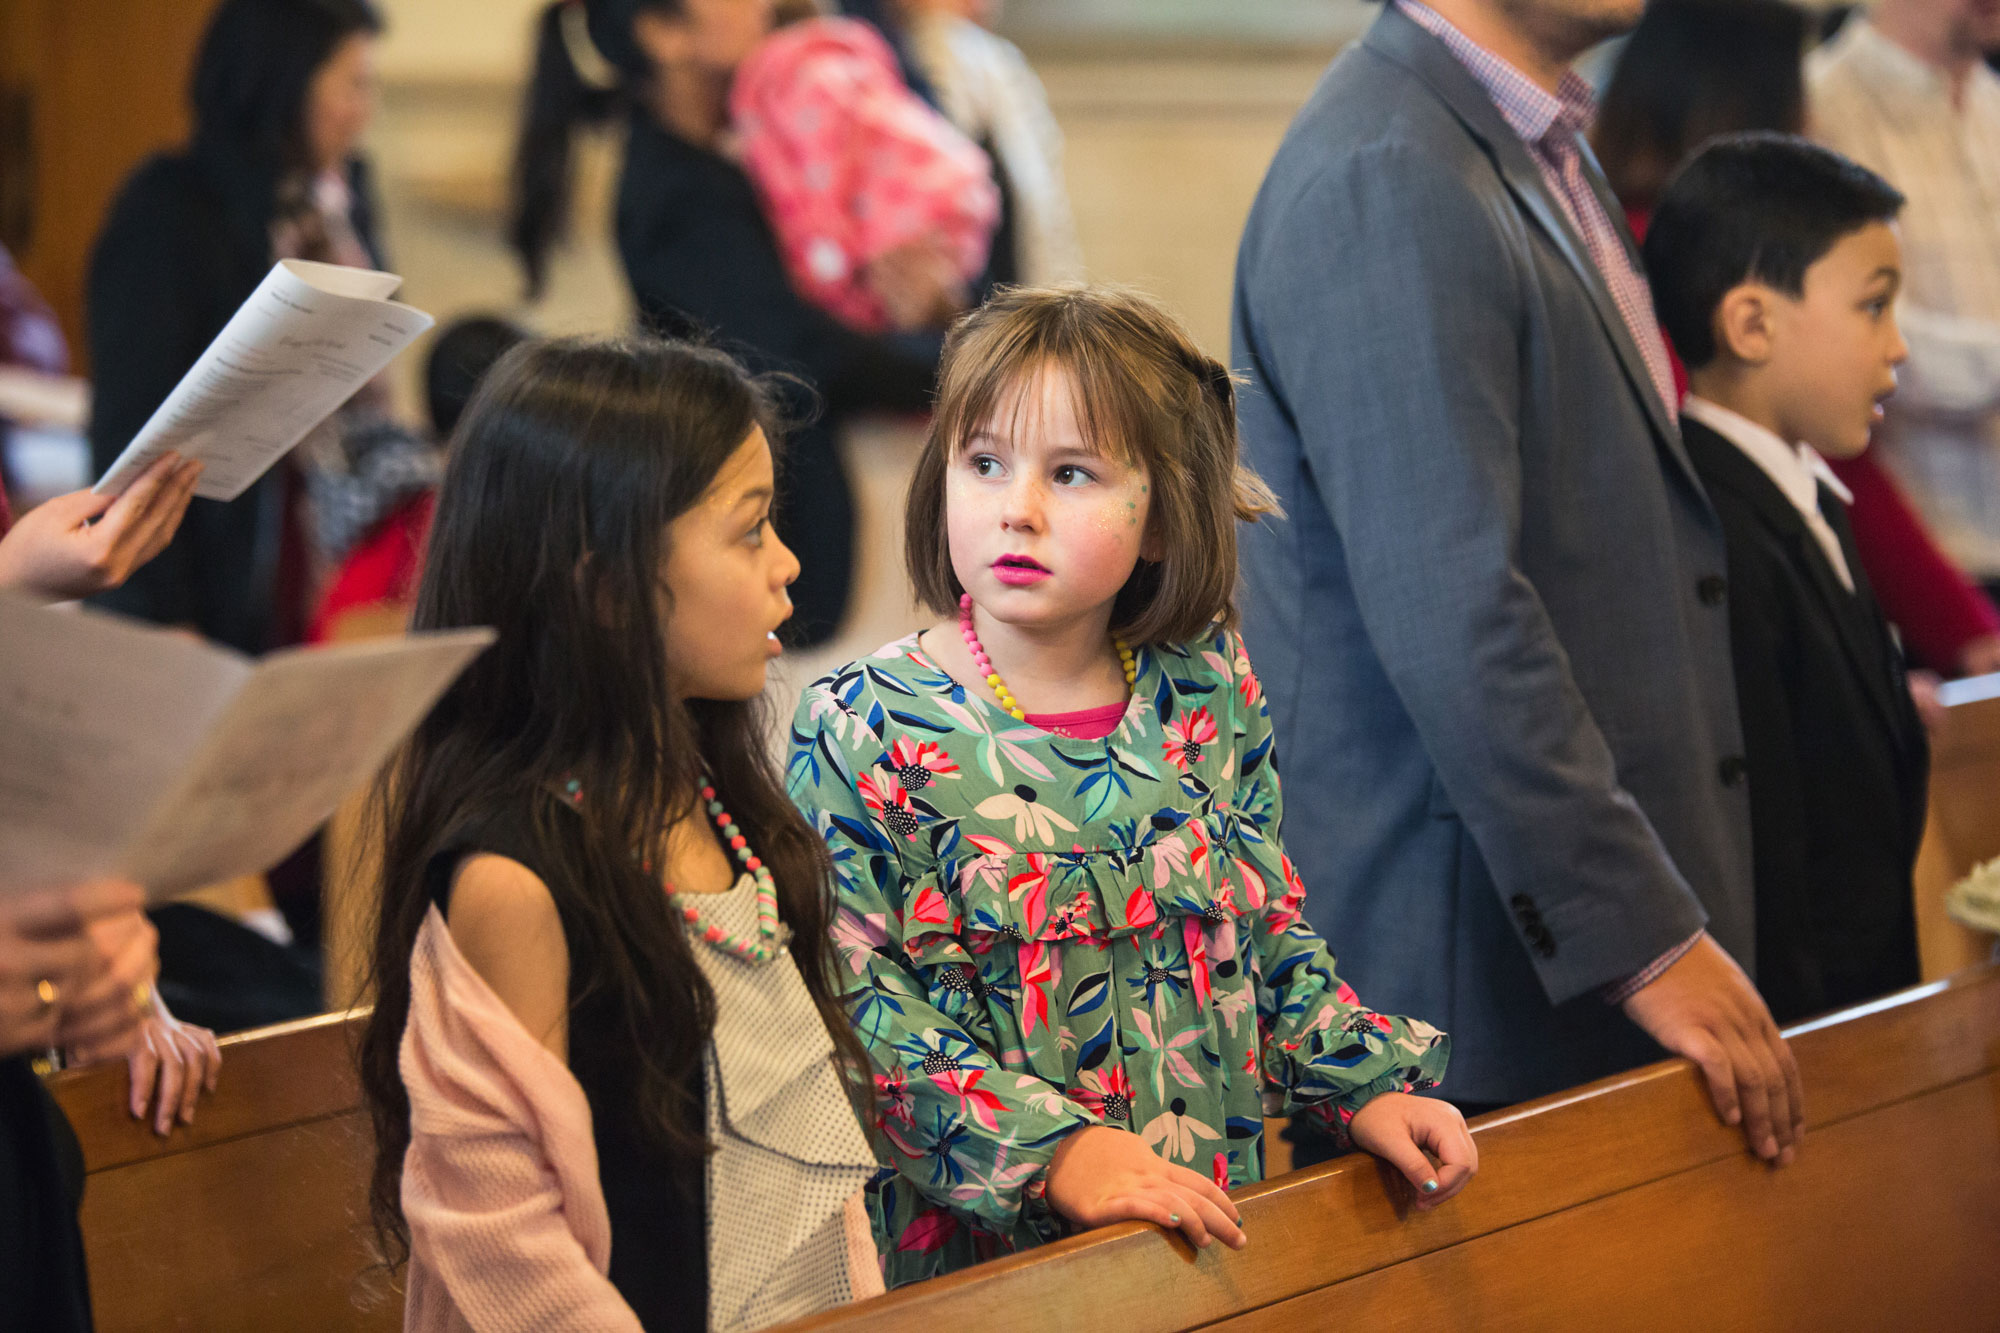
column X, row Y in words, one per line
column 508, row 1227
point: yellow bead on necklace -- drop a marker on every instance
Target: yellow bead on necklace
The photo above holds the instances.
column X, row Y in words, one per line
column 999, row 686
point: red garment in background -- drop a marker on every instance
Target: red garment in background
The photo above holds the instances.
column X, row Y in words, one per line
column 384, row 566
column 1930, row 601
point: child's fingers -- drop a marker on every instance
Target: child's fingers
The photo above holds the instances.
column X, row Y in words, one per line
column 1446, row 1138
column 1405, row 1156
column 1217, row 1223
column 173, row 1079
column 1451, row 1179
column 144, row 1068
column 213, row 1050
column 1155, row 1206
column 1198, row 1183
column 1186, row 1213
column 192, row 1057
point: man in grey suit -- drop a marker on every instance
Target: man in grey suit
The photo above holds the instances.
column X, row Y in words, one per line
column 1494, row 626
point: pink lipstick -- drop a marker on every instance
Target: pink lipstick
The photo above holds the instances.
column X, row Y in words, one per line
column 1018, row 571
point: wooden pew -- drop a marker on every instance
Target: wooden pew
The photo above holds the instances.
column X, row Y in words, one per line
column 253, row 1218
column 1623, row 1204
column 1963, row 828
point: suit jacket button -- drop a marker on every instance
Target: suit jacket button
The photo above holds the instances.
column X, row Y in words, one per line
column 1712, row 590
column 1731, row 769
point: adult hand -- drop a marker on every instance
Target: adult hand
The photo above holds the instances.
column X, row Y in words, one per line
column 177, row 1060
column 1981, row 657
column 80, row 543
column 48, row 957
column 1407, row 1132
column 918, row 285
column 1924, row 694
column 1704, row 1008
column 1102, row 1175
column 100, row 1021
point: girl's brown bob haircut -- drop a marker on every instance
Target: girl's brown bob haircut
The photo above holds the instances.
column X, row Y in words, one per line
column 1144, row 394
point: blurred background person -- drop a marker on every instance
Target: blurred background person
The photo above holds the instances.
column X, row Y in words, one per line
column 281, row 93
column 1694, row 69
column 702, row 258
column 983, row 82
column 1904, row 90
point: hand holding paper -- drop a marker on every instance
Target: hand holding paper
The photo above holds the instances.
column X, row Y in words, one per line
column 83, row 543
column 307, row 339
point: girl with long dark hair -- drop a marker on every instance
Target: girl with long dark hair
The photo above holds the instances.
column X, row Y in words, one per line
column 281, row 93
column 605, row 1028
column 701, row 255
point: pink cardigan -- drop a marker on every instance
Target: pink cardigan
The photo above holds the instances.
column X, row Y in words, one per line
column 851, row 164
column 508, row 1228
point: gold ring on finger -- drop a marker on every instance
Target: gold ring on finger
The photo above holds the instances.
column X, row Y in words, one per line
column 46, row 992
column 142, row 997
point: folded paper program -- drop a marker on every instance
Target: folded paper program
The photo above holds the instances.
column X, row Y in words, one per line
column 307, row 339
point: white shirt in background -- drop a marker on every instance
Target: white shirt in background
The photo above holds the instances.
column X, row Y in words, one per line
column 986, row 87
column 1888, row 110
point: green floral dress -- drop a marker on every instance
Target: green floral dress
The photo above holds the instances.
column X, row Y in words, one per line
column 1037, row 933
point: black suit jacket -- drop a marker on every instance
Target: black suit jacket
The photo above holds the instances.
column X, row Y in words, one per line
column 1836, row 753
column 185, row 243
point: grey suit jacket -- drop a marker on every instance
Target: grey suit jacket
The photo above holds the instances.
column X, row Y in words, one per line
column 1493, row 626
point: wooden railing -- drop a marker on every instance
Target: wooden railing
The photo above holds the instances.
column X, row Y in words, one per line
column 1623, row 1204
column 1619, row 1205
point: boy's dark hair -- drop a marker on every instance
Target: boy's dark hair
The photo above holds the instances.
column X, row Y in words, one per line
column 461, row 354
column 1752, row 208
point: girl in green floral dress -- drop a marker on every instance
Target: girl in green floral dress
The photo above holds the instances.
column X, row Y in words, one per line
column 1067, row 929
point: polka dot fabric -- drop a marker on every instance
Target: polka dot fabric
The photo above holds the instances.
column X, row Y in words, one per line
column 786, row 1234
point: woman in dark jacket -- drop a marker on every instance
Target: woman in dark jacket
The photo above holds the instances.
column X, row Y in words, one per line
column 281, row 92
column 702, row 259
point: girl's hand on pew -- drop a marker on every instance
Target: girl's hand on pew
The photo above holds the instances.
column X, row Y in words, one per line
column 1102, row 1175
column 180, row 1060
column 78, row 544
column 1402, row 1130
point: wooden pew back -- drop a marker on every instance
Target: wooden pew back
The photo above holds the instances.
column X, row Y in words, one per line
column 255, row 1217
column 1963, row 830
column 1624, row 1204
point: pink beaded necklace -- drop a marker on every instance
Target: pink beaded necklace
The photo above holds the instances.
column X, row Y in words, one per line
column 771, row 933
column 998, row 686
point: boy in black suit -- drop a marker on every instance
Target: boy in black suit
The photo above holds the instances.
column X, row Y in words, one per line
column 1775, row 266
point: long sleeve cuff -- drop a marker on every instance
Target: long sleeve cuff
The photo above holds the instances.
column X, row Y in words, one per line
column 1620, row 991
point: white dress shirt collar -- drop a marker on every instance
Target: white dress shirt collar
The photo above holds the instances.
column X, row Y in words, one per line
column 1796, row 469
